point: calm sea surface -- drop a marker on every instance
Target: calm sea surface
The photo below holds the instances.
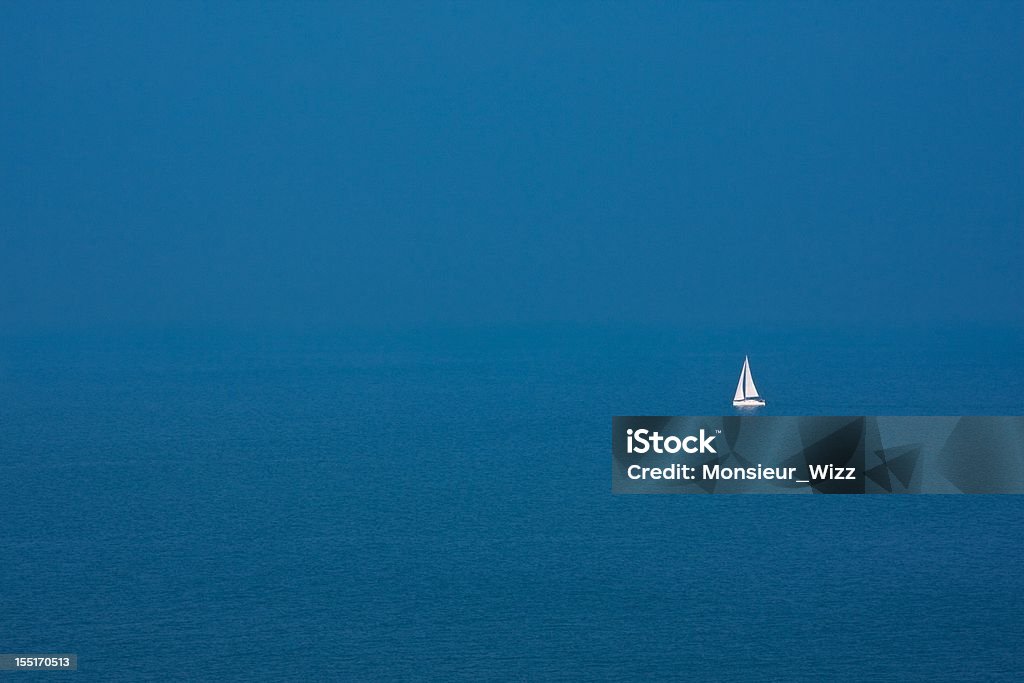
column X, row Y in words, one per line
column 437, row 505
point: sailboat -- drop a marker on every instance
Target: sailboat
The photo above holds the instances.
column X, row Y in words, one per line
column 746, row 393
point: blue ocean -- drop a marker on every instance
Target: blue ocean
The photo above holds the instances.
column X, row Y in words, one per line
column 436, row 504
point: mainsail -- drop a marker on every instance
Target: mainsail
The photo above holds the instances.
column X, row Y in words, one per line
column 749, row 390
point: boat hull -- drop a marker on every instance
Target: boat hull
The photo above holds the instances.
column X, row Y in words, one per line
column 749, row 403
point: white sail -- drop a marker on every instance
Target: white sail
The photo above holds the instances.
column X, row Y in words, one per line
column 739, row 385
column 749, row 390
column 746, row 393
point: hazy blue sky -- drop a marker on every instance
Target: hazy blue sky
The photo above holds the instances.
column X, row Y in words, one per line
column 177, row 164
